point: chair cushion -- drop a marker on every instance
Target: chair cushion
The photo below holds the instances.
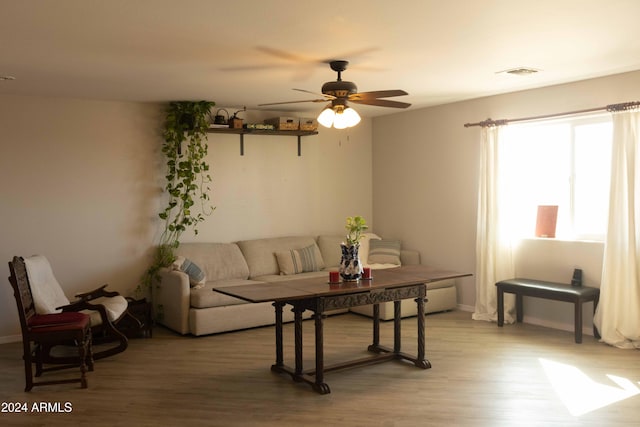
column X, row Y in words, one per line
column 47, row 323
column 56, row 319
column 115, row 306
column 45, row 289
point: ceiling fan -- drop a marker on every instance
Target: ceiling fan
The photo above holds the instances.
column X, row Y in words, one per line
column 339, row 93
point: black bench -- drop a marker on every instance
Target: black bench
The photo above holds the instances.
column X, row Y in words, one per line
column 548, row 290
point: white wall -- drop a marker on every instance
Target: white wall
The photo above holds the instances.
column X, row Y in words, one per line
column 270, row 191
column 81, row 182
column 425, row 185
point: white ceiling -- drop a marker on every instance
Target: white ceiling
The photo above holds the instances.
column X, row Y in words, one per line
column 439, row 51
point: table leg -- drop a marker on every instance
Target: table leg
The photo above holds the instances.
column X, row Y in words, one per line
column 376, row 325
column 297, row 317
column 421, row 361
column 279, row 352
column 320, row 386
column 500, row 309
column 397, row 330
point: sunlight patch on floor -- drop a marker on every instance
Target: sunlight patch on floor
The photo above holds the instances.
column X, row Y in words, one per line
column 580, row 394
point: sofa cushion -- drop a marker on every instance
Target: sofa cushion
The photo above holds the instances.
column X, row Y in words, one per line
column 260, row 254
column 365, row 244
column 384, row 252
column 217, row 260
column 297, row 261
column 330, row 249
column 206, row 297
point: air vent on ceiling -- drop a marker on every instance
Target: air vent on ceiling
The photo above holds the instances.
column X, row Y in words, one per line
column 520, row 71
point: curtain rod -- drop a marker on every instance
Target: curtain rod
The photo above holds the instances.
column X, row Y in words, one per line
column 611, row 107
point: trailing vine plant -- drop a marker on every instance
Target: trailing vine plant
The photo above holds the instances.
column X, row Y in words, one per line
column 187, row 179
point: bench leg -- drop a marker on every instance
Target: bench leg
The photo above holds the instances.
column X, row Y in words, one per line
column 519, row 308
column 500, row 301
column 578, row 321
column 595, row 305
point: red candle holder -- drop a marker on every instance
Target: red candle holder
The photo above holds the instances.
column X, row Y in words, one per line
column 366, row 273
column 334, row 277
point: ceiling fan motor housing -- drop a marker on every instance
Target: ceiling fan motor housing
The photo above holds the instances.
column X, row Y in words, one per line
column 339, row 89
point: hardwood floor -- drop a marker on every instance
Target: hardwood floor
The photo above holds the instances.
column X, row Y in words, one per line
column 482, row 375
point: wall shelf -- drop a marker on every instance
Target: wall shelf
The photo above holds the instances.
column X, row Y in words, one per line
column 258, row 132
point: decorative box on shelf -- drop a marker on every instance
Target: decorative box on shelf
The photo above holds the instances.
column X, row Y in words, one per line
column 308, row 124
column 283, row 123
column 235, row 123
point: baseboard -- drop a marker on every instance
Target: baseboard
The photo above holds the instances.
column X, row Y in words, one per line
column 468, row 308
column 10, row 338
column 569, row 327
column 539, row 322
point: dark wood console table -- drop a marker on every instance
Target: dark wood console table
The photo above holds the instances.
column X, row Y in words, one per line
column 548, row 290
column 317, row 295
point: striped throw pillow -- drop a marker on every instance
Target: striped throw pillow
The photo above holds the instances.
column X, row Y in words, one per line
column 384, row 251
column 297, row 261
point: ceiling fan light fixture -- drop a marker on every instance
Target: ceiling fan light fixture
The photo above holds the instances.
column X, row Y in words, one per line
column 339, row 116
column 340, row 121
column 351, row 116
column 326, row 117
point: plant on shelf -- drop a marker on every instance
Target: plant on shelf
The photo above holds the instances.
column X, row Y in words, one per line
column 187, row 178
column 350, row 266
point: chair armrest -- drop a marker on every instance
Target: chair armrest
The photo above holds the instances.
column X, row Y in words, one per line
column 96, row 293
column 86, row 305
column 171, row 294
column 409, row 257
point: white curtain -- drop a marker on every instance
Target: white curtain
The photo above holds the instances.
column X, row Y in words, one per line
column 618, row 314
column 494, row 257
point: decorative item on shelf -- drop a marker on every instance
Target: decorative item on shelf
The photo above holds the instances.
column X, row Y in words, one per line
column 308, row 124
column 350, row 265
column 235, row 122
column 219, row 119
column 259, row 126
column 283, row 123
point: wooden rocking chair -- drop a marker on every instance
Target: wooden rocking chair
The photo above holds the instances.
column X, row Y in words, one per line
column 105, row 308
column 48, row 330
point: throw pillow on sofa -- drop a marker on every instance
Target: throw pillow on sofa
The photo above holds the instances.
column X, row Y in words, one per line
column 195, row 273
column 384, row 251
column 297, row 261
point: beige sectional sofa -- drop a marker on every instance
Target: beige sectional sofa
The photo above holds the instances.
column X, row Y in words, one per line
column 199, row 310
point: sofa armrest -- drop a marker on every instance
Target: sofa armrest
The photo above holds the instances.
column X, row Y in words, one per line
column 171, row 295
column 409, row 257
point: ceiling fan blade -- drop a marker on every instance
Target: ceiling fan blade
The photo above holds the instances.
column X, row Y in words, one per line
column 292, row 102
column 377, row 94
column 283, row 55
column 353, row 54
column 328, row 97
column 381, row 103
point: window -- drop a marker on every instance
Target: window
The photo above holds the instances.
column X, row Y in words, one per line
column 561, row 162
